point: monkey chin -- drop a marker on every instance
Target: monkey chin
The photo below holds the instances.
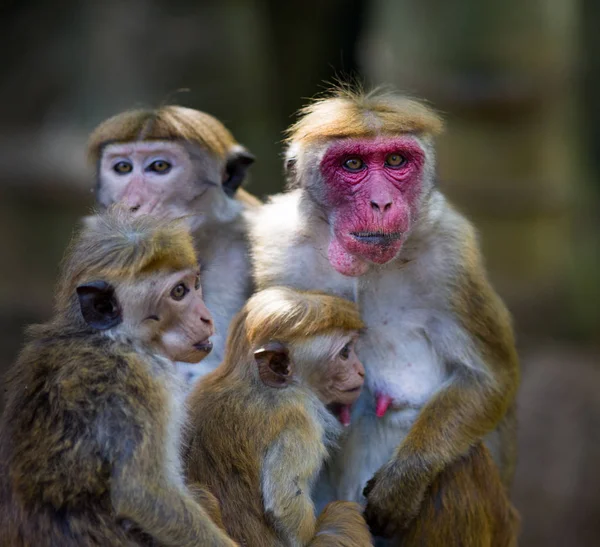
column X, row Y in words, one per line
column 352, row 254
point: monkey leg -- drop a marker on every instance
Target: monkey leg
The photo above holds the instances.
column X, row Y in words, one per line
column 466, row 506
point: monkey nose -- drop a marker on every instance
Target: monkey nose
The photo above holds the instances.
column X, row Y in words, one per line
column 134, row 209
column 381, row 206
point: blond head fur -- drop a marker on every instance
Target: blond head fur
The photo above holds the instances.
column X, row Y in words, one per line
column 117, row 246
column 169, row 122
column 345, row 112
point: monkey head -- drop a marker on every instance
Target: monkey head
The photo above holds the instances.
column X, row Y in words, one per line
column 367, row 161
column 325, row 363
column 172, row 162
column 137, row 279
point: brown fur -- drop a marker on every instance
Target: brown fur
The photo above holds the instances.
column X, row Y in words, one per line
column 466, row 506
column 165, row 123
column 236, row 421
column 346, row 113
column 86, row 430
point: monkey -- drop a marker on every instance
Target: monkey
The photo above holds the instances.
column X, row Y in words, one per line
column 90, row 435
column 261, row 424
column 363, row 219
column 179, row 162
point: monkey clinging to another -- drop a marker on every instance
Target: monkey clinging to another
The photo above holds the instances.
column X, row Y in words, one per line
column 178, row 162
column 260, row 424
column 90, row 436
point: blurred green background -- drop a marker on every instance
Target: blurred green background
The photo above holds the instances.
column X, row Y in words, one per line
column 518, row 83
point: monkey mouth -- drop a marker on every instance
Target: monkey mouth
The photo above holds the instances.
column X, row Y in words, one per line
column 205, row 346
column 377, row 238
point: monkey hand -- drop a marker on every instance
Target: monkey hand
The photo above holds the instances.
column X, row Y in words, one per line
column 394, row 497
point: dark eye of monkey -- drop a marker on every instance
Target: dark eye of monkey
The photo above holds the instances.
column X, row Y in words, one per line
column 394, row 160
column 345, row 351
column 197, row 282
column 179, row 291
column 122, row 167
column 159, row 166
column 353, row 164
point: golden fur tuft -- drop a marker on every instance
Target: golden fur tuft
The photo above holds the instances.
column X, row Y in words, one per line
column 116, row 246
column 347, row 111
column 166, row 123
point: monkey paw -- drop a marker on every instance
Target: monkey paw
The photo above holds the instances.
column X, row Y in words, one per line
column 393, row 500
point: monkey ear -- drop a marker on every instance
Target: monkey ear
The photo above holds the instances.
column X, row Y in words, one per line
column 99, row 305
column 274, row 366
column 238, row 161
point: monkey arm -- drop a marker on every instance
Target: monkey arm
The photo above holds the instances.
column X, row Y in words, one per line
column 473, row 401
column 341, row 524
column 288, row 466
column 168, row 513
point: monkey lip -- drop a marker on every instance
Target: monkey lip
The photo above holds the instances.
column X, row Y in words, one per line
column 205, row 346
column 377, row 238
column 353, row 389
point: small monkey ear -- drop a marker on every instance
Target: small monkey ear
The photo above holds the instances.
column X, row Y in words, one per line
column 99, row 305
column 238, row 161
column 274, row 365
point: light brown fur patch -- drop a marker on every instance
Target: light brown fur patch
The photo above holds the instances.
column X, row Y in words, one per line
column 346, row 113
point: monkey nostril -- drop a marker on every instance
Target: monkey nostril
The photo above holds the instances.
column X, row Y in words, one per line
column 206, row 320
column 375, row 206
column 134, row 209
column 379, row 207
column 387, row 207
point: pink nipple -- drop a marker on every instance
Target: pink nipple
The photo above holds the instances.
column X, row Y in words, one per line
column 344, row 415
column 382, row 403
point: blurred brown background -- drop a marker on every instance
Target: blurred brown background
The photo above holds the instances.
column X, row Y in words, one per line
column 518, row 83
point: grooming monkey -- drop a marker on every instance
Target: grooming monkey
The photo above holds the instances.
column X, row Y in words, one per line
column 90, row 436
column 262, row 422
column 178, row 162
column 363, row 220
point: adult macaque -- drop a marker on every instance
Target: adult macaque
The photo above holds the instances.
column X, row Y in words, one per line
column 262, row 422
column 90, row 436
column 364, row 220
column 178, row 162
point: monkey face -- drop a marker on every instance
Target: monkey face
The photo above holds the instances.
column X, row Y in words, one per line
column 372, row 188
column 164, row 178
column 184, row 323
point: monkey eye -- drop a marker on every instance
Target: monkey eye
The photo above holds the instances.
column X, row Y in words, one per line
column 394, row 160
column 197, row 281
column 353, row 164
column 159, row 166
column 122, row 167
column 345, row 351
column 153, row 318
column 179, row 291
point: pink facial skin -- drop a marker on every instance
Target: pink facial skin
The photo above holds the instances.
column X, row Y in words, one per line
column 372, row 208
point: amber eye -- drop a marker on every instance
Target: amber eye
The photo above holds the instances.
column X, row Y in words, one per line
column 353, row 164
column 159, row 166
column 197, row 282
column 345, row 351
column 394, row 160
column 179, row 291
column 122, row 167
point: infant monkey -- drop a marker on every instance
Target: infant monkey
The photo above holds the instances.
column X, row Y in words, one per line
column 262, row 422
column 90, row 437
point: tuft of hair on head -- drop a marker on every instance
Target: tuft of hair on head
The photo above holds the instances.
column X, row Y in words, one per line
column 169, row 122
column 115, row 246
column 346, row 110
column 285, row 315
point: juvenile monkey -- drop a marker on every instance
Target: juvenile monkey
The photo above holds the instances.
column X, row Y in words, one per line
column 178, row 162
column 260, row 425
column 90, row 436
column 364, row 220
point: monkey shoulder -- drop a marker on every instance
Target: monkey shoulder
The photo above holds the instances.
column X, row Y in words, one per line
column 288, row 241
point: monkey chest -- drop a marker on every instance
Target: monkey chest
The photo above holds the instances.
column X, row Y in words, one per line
column 398, row 348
